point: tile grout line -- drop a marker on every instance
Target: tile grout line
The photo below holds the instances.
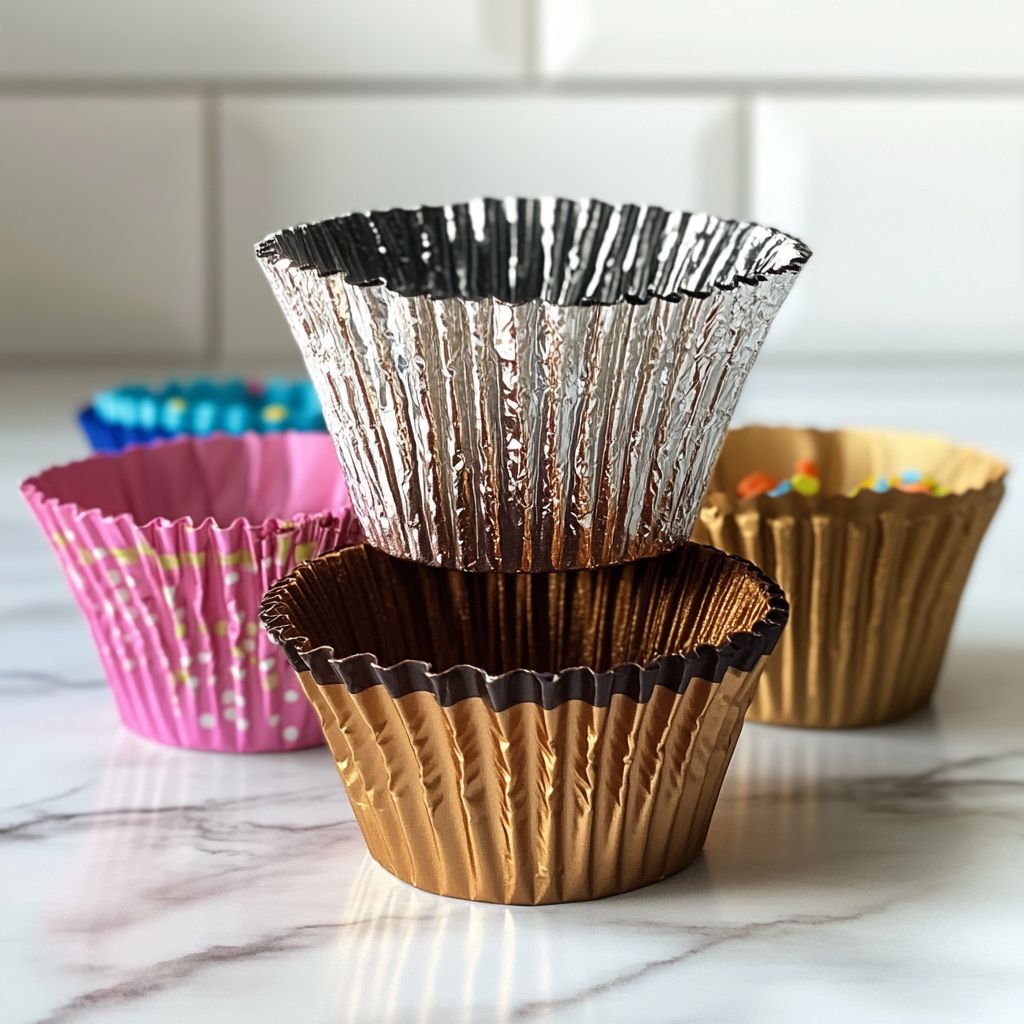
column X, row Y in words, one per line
column 211, row 210
column 533, row 41
column 528, row 84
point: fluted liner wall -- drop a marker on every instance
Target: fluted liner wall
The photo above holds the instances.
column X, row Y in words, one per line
column 171, row 594
column 532, row 784
column 874, row 580
column 526, row 385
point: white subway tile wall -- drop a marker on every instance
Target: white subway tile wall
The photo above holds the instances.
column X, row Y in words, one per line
column 103, row 249
column 915, row 209
column 145, row 147
column 788, row 40
column 260, row 39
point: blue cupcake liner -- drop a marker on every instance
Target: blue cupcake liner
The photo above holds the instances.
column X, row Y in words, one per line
column 112, row 437
column 137, row 414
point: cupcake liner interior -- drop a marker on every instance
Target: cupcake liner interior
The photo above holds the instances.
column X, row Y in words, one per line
column 693, row 612
column 847, row 457
column 557, row 250
column 204, row 406
column 220, row 480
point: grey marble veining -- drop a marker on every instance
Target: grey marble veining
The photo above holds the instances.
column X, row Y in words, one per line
column 858, row 876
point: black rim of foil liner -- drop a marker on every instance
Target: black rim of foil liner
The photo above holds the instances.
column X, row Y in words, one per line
column 438, row 252
column 741, row 650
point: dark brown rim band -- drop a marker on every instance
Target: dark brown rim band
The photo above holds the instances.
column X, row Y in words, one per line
column 741, row 651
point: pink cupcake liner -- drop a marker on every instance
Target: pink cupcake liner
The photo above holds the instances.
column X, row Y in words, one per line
column 169, row 549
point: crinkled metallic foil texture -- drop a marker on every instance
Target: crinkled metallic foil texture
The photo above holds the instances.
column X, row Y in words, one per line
column 533, row 805
column 574, row 736
column 874, row 580
column 526, row 385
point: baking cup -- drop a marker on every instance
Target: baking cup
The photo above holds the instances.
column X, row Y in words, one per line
column 529, row 384
column 874, row 580
column 168, row 549
column 137, row 414
column 531, row 778
column 113, row 437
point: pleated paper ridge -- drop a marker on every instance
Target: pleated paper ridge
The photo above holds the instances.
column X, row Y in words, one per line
column 533, row 805
column 873, row 580
column 497, row 413
column 172, row 606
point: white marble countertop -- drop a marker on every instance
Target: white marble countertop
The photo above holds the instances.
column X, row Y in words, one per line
column 861, row 876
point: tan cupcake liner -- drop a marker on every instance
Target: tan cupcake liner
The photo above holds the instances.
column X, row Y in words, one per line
column 530, row 785
column 874, row 580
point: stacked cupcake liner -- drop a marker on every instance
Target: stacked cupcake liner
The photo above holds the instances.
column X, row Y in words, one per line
column 530, row 682
column 515, row 786
column 526, row 385
column 538, row 700
column 874, row 579
column 172, row 599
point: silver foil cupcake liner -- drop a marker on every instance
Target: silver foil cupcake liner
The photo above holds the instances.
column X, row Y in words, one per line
column 529, row 384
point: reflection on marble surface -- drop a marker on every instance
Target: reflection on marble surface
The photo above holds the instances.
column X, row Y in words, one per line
column 864, row 876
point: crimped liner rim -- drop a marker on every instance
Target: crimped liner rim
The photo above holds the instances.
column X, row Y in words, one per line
column 865, row 500
column 741, row 650
column 34, row 491
column 268, row 251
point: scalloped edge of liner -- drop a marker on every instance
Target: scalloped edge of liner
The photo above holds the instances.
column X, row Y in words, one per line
column 740, row 650
column 268, row 252
column 34, row 494
column 814, row 504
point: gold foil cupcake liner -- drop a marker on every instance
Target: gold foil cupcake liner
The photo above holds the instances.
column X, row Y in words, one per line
column 541, row 784
column 874, row 579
